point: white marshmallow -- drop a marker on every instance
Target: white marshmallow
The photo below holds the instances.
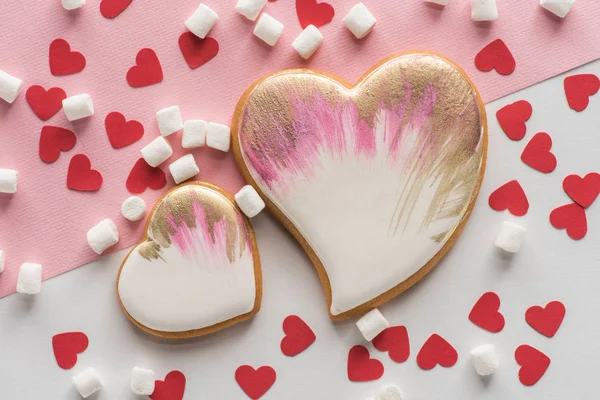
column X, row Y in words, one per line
column 202, row 21
column 249, row 201
column 194, row 134
column 389, row 392
column 87, row 382
column 359, row 20
column 2, row 262
column 9, row 179
column 484, row 10
column 10, row 87
column 250, row 8
column 103, row 235
column 218, row 136
column 169, row 120
column 72, row 4
column 133, row 208
column 157, row 151
column 78, row 106
column 558, row 7
column 510, row 237
column 268, row 29
column 485, row 359
column 440, row 2
column 184, row 168
column 30, row 278
column 308, row 41
column 372, row 324
column 142, row 381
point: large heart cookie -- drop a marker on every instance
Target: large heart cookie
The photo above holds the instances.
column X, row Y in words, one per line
column 374, row 180
column 197, row 268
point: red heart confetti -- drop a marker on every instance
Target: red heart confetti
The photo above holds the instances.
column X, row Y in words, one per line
column 485, row 313
column 53, row 140
column 111, row 8
column 172, row 388
column 511, row 197
column 298, row 336
column 312, row 13
column 361, row 367
column 496, row 55
column 395, row 341
column 63, row 61
column 81, row 176
column 572, row 218
column 45, row 103
column 579, row 88
column 67, row 346
column 546, row 320
column 143, row 176
column 121, row 132
column 533, row 364
column 196, row 51
column 584, row 190
column 147, row 70
column 255, row 382
column 436, row 350
column 512, row 119
column 537, row 153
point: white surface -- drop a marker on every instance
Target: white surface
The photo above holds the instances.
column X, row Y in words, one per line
column 485, row 360
column 372, row 324
column 78, row 106
column 359, row 20
column 268, row 29
column 550, row 266
column 308, row 41
column 202, row 21
column 169, row 120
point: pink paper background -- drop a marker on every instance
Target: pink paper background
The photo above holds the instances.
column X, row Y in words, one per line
column 47, row 223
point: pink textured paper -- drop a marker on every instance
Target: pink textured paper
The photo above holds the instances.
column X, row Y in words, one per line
column 47, row 223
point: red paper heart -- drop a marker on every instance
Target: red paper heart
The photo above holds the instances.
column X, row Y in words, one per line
column 395, row 341
column 63, row 61
column 81, row 176
column 361, row 367
column 510, row 196
column 584, row 190
column 147, row 70
column 579, row 88
column 143, row 176
column 537, row 153
column 546, row 320
column 121, row 132
column 572, row 218
column 512, row 119
column 436, row 350
column 53, row 140
column 45, row 103
column 485, row 313
column 298, row 336
column 255, row 382
column 312, row 13
column 111, row 8
column 496, row 55
column 196, row 51
column 172, row 388
column 533, row 364
column 66, row 346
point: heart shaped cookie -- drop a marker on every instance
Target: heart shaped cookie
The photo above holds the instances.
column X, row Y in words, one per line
column 197, row 268
column 375, row 180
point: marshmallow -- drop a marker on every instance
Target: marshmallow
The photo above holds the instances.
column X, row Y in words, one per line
column 157, row 151
column 218, row 136
column 78, row 106
column 72, row 4
column 268, row 29
column 250, row 8
column 142, row 381
column 359, row 20
column 9, row 179
column 1, row 261
column 87, row 382
column 484, row 359
column 184, row 168
column 169, row 120
column 30, row 278
column 558, row 7
column 510, row 237
column 372, row 324
column 202, row 21
column 133, row 208
column 389, row 392
column 249, row 201
column 103, row 235
column 484, row 10
column 10, row 87
column 440, row 2
column 194, row 134
column 308, row 41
